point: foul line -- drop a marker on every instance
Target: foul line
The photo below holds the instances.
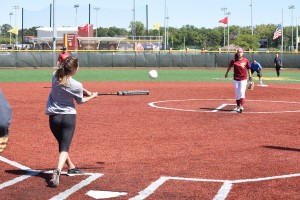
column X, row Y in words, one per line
column 63, row 195
column 222, row 192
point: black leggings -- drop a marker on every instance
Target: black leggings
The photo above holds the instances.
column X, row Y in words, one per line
column 278, row 71
column 63, row 128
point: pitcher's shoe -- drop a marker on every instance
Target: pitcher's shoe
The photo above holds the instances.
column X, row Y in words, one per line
column 241, row 109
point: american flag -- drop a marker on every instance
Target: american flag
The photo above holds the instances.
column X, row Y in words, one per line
column 278, row 32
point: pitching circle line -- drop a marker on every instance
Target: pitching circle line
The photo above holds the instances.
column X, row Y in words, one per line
column 154, row 105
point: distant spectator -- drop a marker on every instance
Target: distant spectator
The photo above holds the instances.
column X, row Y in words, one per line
column 278, row 64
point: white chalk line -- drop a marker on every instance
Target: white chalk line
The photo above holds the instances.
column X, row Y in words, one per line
column 154, row 105
column 77, row 187
column 219, row 108
column 63, row 195
column 221, row 194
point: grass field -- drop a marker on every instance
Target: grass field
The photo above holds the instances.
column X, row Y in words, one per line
column 141, row 74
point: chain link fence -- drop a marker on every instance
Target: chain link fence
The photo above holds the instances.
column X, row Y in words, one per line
column 182, row 59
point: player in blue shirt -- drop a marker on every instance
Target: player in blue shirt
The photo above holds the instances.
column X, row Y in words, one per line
column 5, row 120
column 256, row 67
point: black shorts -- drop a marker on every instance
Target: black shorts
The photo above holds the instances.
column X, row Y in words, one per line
column 63, row 128
column 259, row 74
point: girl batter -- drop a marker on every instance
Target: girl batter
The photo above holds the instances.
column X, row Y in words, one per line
column 62, row 113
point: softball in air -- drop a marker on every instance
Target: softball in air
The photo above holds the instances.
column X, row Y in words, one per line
column 153, row 74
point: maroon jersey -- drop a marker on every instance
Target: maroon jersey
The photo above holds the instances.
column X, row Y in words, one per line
column 62, row 57
column 240, row 68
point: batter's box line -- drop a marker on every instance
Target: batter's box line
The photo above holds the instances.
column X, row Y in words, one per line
column 221, row 194
column 63, row 195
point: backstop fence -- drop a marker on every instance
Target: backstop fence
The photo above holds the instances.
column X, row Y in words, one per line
column 182, row 59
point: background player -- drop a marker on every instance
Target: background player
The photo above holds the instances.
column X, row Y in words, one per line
column 62, row 57
column 256, row 67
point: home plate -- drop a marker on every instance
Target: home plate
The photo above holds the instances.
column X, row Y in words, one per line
column 96, row 194
column 262, row 85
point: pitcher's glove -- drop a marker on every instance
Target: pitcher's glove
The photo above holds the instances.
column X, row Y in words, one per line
column 250, row 84
column 3, row 143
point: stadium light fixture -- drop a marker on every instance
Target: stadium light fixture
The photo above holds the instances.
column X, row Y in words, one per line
column 76, row 6
column 96, row 9
column 292, row 7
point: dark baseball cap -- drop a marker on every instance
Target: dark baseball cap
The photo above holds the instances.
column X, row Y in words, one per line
column 64, row 48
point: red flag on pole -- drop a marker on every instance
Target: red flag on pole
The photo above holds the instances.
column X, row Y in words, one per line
column 224, row 21
column 84, row 28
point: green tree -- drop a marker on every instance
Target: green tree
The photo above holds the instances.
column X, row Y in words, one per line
column 137, row 28
column 102, row 32
column 116, row 32
column 4, row 28
column 247, row 41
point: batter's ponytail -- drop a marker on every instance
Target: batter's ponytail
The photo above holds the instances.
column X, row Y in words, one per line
column 68, row 69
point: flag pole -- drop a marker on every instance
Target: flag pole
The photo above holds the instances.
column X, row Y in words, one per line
column 228, row 36
column 282, row 32
column 54, row 34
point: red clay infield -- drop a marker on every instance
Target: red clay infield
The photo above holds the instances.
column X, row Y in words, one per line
column 171, row 144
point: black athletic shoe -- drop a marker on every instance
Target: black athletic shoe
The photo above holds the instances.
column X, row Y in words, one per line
column 54, row 182
column 75, row 171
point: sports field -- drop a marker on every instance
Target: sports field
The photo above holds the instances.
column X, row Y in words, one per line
column 182, row 141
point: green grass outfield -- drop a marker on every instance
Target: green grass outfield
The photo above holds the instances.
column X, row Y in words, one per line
column 141, row 74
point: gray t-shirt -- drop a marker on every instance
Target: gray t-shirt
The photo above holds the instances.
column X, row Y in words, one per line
column 61, row 98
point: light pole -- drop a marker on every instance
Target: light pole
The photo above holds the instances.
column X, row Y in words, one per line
column 251, row 18
column 297, row 39
column 224, row 10
column 76, row 6
column 165, row 24
column 292, row 7
column 167, row 18
column 134, row 24
column 10, row 14
column 96, row 9
column 16, row 8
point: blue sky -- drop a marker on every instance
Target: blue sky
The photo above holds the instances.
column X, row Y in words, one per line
column 199, row 13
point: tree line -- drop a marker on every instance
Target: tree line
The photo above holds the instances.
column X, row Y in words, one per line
column 188, row 36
